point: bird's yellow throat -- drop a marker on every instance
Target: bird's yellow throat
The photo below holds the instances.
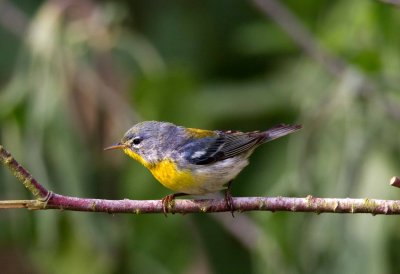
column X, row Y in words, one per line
column 166, row 173
column 136, row 156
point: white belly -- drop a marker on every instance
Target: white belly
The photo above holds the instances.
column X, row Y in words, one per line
column 213, row 177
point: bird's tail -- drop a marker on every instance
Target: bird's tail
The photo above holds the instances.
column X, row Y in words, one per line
column 279, row 131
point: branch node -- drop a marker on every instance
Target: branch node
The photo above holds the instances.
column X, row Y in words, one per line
column 352, row 208
column 386, row 209
column 46, row 198
column 335, row 205
column 204, row 209
column 370, row 206
column 93, row 206
column 309, row 200
column 36, row 205
column 261, row 205
column 8, row 159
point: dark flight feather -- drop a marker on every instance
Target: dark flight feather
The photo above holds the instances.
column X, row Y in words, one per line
column 232, row 143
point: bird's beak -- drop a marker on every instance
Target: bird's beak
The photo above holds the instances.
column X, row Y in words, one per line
column 116, row 146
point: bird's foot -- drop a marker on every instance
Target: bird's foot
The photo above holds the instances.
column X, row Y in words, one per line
column 229, row 200
column 167, row 201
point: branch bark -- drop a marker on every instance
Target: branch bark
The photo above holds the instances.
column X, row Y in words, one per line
column 46, row 199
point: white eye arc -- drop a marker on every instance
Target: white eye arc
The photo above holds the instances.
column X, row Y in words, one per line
column 136, row 141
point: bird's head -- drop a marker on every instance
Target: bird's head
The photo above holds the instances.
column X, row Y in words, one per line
column 145, row 141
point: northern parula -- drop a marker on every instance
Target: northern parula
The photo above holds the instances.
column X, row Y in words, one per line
column 194, row 161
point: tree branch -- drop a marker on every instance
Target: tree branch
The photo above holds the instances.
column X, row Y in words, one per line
column 39, row 191
column 46, row 199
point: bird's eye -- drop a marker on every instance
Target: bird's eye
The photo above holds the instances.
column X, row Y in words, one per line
column 136, row 140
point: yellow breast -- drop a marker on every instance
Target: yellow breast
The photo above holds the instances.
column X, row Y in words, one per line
column 167, row 174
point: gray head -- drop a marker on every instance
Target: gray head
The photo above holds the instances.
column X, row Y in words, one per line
column 149, row 142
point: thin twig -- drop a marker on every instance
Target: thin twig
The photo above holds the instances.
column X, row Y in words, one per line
column 46, row 199
column 39, row 191
column 29, row 204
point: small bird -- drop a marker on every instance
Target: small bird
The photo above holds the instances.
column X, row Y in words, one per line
column 194, row 161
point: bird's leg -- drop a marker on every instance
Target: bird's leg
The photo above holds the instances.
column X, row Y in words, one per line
column 228, row 199
column 168, row 199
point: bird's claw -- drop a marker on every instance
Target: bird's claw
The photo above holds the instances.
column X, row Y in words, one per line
column 229, row 201
column 166, row 203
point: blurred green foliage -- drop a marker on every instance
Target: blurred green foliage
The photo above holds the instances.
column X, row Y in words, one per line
column 78, row 74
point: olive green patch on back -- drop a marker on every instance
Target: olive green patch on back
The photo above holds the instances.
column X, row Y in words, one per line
column 200, row 133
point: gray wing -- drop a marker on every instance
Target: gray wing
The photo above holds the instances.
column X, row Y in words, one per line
column 227, row 145
column 231, row 143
